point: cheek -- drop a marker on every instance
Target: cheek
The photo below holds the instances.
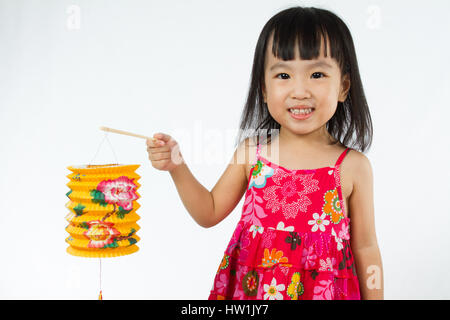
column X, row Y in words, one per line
column 328, row 98
column 328, row 113
column 277, row 112
column 274, row 112
column 277, row 96
column 276, row 100
column 325, row 113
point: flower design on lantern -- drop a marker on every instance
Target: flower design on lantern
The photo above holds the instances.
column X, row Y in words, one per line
column 101, row 234
column 120, row 191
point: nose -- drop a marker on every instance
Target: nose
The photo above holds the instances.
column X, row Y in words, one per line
column 300, row 89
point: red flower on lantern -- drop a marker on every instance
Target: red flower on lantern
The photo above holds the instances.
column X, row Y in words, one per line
column 120, row 191
column 101, row 234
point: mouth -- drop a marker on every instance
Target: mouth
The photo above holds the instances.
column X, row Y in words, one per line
column 301, row 113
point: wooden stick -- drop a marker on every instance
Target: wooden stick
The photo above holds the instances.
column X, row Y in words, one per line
column 126, row 133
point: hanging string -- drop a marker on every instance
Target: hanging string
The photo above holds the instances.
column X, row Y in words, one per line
column 115, row 157
column 98, row 149
column 100, row 297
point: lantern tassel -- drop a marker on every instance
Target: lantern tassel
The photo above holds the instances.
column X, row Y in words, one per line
column 100, row 296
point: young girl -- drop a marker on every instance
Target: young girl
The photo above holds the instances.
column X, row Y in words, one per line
column 295, row 239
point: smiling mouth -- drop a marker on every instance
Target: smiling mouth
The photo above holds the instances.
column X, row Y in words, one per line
column 303, row 111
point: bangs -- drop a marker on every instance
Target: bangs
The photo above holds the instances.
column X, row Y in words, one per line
column 306, row 31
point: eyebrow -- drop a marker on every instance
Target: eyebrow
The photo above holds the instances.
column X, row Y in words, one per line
column 316, row 64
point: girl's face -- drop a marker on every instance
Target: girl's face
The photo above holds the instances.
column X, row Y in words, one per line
column 314, row 83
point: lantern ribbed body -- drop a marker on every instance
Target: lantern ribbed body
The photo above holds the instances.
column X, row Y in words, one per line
column 102, row 218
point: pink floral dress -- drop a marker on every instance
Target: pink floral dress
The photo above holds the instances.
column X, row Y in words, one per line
column 292, row 241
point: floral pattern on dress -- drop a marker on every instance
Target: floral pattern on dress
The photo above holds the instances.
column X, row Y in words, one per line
column 290, row 193
column 253, row 211
column 332, row 206
column 328, row 265
column 273, row 258
column 250, row 283
column 309, row 258
column 256, row 229
column 225, row 263
column 318, row 222
column 238, row 243
column 292, row 241
column 280, row 226
column 295, row 288
column 260, row 173
column 221, row 284
column 338, row 240
column 273, row 291
column 324, row 290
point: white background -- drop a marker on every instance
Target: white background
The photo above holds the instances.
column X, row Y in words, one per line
column 183, row 68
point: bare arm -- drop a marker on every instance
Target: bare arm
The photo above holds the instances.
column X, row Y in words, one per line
column 197, row 200
column 363, row 237
column 208, row 208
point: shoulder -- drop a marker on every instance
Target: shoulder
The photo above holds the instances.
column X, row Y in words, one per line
column 360, row 167
column 245, row 153
column 360, row 161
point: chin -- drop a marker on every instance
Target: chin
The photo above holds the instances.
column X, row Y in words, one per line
column 300, row 131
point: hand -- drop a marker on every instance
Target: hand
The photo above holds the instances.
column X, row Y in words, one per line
column 164, row 152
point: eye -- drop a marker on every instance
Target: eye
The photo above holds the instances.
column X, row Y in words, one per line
column 281, row 74
column 319, row 73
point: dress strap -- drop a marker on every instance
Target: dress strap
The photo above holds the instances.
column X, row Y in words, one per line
column 258, row 150
column 341, row 157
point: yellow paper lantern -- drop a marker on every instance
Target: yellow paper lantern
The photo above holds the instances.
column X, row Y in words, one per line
column 102, row 218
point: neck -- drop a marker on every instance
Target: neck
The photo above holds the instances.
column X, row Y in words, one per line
column 312, row 140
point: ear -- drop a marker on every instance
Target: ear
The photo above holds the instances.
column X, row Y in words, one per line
column 345, row 87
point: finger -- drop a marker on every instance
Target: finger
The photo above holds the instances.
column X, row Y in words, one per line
column 158, row 149
column 159, row 161
column 162, row 136
column 159, row 156
column 154, row 143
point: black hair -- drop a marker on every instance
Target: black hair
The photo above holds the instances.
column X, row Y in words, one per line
column 307, row 26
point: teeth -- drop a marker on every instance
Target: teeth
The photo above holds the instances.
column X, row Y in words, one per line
column 301, row 111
